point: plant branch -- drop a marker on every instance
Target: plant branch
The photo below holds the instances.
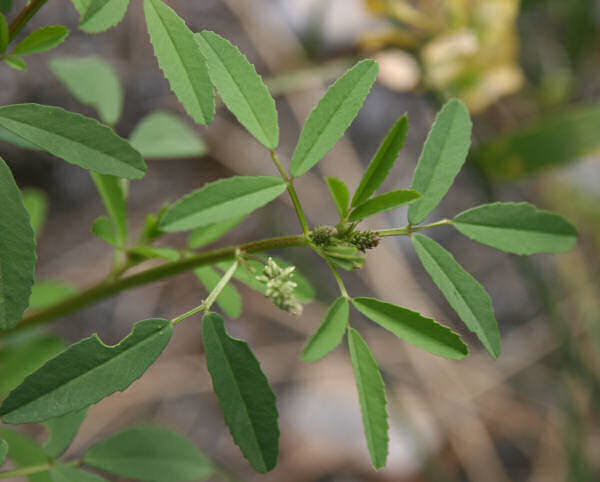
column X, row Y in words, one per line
column 24, row 17
column 408, row 230
column 339, row 280
column 34, row 469
column 214, row 294
column 292, row 192
column 110, row 287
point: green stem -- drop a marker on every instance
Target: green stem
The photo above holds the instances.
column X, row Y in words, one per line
column 110, row 287
column 339, row 280
column 34, row 469
column 408, row 230
column 292, row 192
column 24, row 17
column 214, row 294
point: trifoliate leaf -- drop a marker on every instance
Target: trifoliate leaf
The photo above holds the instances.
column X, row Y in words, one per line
column 383, row 202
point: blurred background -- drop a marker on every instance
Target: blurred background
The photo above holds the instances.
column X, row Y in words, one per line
column 528, row 71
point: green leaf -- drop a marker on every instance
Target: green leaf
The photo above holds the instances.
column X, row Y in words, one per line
column 383, row 202
column 24, row 452
column 4, row 34
column 64, row 473
column 22, row 354
column 81, row 5
column 36, row 203
column 463, row 293
column 244, row 394
column 371, row 395
column 518, row 228
column 85, row 373
column 103, row 228
column 7, row 136
column 332, row 116
column 162, row 135
column 42, row 39
column 15, row 62
column 555, row 140
column 75, row 138
column 113, row 197
column 62, row 431
column 220, row 201
column 241, row 88
column 330, row 333
column 150, row 453
column 229, row 300
column 304, row 291
column 47, row 293
column 5, row 6
column 443, row 155
column 100, row 15
column 93, row 82
column 3, row 451
column 202, row 236
column 383, row 161
column 339, row 193
column 181, row 61
column 17, row 251
column 412, row 327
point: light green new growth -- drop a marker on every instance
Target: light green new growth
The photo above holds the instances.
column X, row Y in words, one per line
column 383, row 202
column 340, row 195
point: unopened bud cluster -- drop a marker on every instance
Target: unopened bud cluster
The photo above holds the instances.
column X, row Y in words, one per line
column 280, row 287
column 364, row 240
column 323, row 235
